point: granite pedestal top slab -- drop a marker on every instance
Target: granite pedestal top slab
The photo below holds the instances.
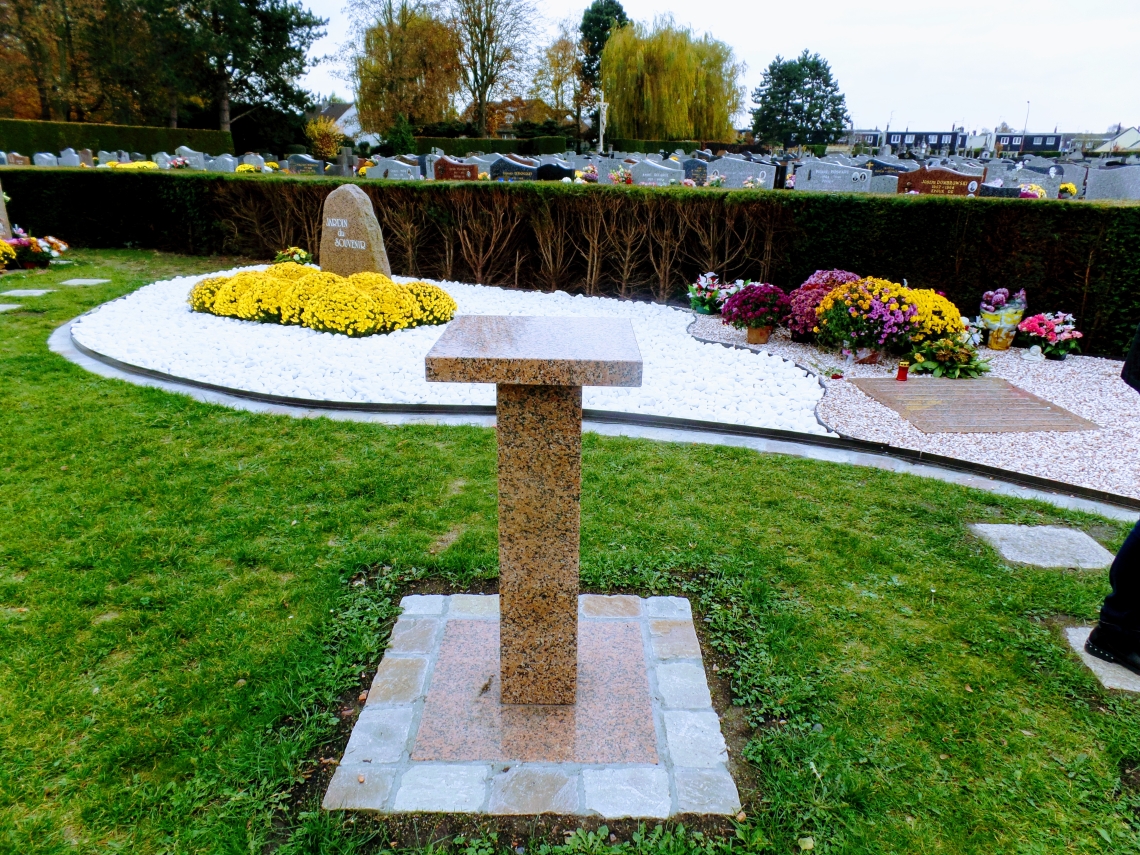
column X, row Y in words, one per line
column 641, row 740
column 541, row 351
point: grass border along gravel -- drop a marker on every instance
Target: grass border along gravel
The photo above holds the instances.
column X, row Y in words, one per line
column 179, row 623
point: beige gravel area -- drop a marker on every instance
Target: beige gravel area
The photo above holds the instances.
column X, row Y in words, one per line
column 1105, row 459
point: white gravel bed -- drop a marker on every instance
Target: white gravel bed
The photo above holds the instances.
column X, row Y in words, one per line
column 154, row 328
column 1105, row 459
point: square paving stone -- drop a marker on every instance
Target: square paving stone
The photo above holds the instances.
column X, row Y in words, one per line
column 348, row 792
column 27, row 292
column 1111, row 675
column 443, row 788
column 1045, row 545
column 706, row 791
column 530, row 790
column 629, row 792
column 84, row 282
column 7, row 307
column 981, row 405
column 641, row 740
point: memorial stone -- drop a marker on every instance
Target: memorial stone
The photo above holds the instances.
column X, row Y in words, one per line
column 649, row 174
column 255, row 160
column 990, row 191
column 137, row 157
column 3, row 158
column 696, row 170
column 43, row 158
column 351, row 240
column 885, row 184
column 5, row 225
column 508, row 169
column 194, row 159
column 1116, row 182
column 539, row 366
column 17, row 159
column 106, row 157
column 161, row 159
column 302, row 164
column 224, row 163
column 69, row 157
column 735, row 171
column 551, row 172
column 817, row 176
column 940, row 182
column 448, row 169
column 393, row 169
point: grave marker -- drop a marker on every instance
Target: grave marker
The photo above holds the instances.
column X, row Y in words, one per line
column 509, row 169
column 448, row 169
column 68, row 157
column 17, row 159
column 302, row 164
column 649, row 174
column 697, row 170
column 832, row 178
column 86, row 157
column 351, row 240
column 393, row 169
column 43, row 158
column 553, row 172
column 940, row 182
column 5, row 225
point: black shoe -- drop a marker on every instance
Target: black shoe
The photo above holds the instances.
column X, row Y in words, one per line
column 1113, row 644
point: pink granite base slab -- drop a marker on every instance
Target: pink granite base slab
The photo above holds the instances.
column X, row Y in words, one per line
column 610, row 722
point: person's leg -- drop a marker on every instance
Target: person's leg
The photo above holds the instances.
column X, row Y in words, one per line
column 1116, row 638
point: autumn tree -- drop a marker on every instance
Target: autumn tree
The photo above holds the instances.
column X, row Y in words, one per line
column 664, row 83
column 493, row 37
column 406, row 63
column 799, row 102
column 557, row 75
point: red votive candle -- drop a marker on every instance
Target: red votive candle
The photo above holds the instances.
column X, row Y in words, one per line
column 904, row 367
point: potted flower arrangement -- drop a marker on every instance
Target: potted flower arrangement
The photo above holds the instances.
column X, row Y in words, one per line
column 1055, row 332
column 757, row 308
column 954, row 358
column 1032, row 191
column 29, row 252
column 870, row 316
column 178, row 163
column 621, row 175
column 294, row 254
column 590, row 173
column 1001, row 313
column 810, row 294
column 1068, row 190
column 704, row 294
column 715, row 180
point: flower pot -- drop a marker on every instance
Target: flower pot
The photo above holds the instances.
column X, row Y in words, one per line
column 1059, row 357
column 702, row 310
column 868, row 356
column 1001, row 339
column 803, row 337
column 759, row 335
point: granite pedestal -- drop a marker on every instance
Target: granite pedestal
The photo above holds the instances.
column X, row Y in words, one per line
column 540, row 366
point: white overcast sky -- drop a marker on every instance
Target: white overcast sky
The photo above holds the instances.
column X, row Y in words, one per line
column 1077, row 64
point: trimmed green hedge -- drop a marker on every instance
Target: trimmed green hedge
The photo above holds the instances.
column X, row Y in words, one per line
column 28, row 137
column 1080, row 257
column 653, row 146
column 459, row 147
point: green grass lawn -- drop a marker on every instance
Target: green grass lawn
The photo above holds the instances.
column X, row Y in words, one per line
column 179, row 620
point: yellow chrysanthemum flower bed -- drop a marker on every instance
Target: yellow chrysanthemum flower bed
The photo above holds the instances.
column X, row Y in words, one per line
column 7, row 254
column 937, row 317
column 358, row 305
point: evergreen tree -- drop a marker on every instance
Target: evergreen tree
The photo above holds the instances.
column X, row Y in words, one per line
column 400, row 138
column 598, row 21
column 799, row 102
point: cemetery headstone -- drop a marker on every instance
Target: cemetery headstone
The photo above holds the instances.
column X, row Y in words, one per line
column 1117, row 182
column 393, row 169
column 696, row 170
column 885, row 184
column 649, row 174
column 5, row 225
column 351, row 240
column 509, row 169
column 987, row 190
column 69, row 157
column 86, row 157
column 551, row 172
column 137, row 157
column 940, row 182
column 448, row 169
column 224, row 163
column 107, row 157
column 17, row 159
column 3, row 158
column 345, row 162
column 255, row 160
column 735, row 171
column 161, row 159
column 43, row 158
column 302, row 164
column 817, row 176
column 195, row 159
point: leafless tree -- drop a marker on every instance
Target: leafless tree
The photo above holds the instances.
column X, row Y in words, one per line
column 493, row 40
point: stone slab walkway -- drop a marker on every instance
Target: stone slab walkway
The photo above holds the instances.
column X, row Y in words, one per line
column 85, row 282
column 1111, row 676
column 1045, row 546
column 642, row 739
column 27, row 292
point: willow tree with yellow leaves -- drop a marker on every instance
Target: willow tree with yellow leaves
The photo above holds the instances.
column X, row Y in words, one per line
column 664, row 83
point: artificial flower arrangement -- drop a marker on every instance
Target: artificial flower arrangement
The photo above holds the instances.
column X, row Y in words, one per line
column 27, row 252
column 621, row 175
column 951, row 357
column 484, row 176
column 790, row 182
column 1068, row 190
column 802, row 319
column 178, row 163
column 715, row 180
column 293, row 294
column 704, row 294
column 1055, row 332
column 1001, row 313
column 590, row 173
column 688, row 182
column 1032, row 191
column 294, row 254
column 871, row 314
column 757, row 308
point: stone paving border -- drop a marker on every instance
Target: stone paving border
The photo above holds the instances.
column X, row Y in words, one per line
column 1044, row 545
column 1111, row 676
column 27, row 292
column 7, row 307
column 829, row 449
column 84, row 282
column 691, row 776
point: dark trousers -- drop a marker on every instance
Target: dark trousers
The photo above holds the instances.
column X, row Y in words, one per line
column 1122, row 607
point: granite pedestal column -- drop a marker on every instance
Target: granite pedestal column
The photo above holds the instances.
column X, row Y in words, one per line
column 540, row 366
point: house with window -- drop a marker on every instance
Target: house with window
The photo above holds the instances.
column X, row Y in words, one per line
column 1017, row 142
